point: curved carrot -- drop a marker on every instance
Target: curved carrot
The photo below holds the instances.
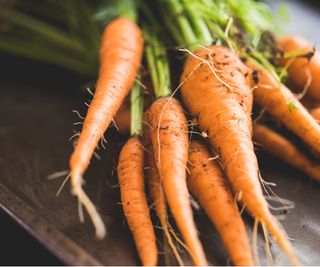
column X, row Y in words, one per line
column 134, row 203
column 169, row 138
column 215, row 90
column 156, row 191
column 207, row 183
column 280, row 103
column 280, row 147
column 120, row 56
column 302, row 70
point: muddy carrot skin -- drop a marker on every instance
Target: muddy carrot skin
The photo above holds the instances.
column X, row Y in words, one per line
column 207, row 183
column 302, row 68
column 281, row 104
column 156, row 191
column 168, row 133
column 134, row 203
column 216, row 90
column 278, row 146
column 120, row 56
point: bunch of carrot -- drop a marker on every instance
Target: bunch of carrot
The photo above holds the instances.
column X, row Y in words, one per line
column 198, row 139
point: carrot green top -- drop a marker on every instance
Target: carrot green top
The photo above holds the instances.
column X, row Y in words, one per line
column 136, row 99
column 156, row 57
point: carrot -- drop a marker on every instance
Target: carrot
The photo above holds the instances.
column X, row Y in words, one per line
column 315, row 113
column 168, row 130
column 134, row 203
column 122, row 119
column 120, row 56
column 207, row 183
column 159, row 200
column 131, row 179
column 168, row 134
column 157, row 193
column 280, row 147
column 280, row 103
column 302, row 70
column 215, row 89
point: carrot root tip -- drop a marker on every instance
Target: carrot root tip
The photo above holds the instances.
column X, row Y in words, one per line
column 83, row 199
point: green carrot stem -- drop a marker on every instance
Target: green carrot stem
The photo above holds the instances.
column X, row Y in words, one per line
column 176, row 13
column 200, row 28
column 38, row 53
column 136, row 99
column 156, row 56
column 129, row 9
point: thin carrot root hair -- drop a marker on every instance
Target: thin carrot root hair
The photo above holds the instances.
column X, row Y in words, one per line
column 63, row 184
column 168, row 233
column 157, row 194
column 267, row 245
column 57, row 174
column 77, row 190
column 168, row 126
column 177, row 238
column 233, row 124
column 255, row 241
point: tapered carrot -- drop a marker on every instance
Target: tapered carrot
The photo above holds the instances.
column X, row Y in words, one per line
column 280, row 103
column 207, row 183
column 157, row 193
column 167, row 125
column 159, row 200
column 215, row 89
column 120, row 56
column 131, row 179
column 168, row 134
column 134, row 203
column 302, row 70
column 278, row 146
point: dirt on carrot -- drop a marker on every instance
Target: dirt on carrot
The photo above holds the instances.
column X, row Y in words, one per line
column 134, row 202
column 208, row 184
column 157, row 193
column 168, row 133
column 215, row 87
column 120, row 57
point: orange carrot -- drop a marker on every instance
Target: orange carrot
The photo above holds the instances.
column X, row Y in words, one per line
column 122, row 119
column 207, row 183
column 159, row 201
column 302, row 70
column 157, row 193
column 215, row 89
column 168, row 133
column 280, row 147
column 120, row 56
column 280, row 103
column 316, row 114
column 134, row 203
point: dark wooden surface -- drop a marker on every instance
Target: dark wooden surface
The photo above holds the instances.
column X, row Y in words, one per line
column 35, row 124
